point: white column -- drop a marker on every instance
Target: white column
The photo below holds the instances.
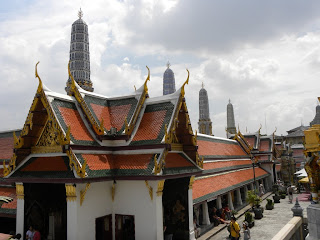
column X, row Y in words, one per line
column 251, row 186
column 239, row 200
column 20, row 209
column 159, row 209
column 190, row 209
column 72, row 208
column 230, row 203
column 245, row 191
column 219, row 203
column 205, row 214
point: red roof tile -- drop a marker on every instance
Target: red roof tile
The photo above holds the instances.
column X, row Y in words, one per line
column 6, row 147
column 150, row 125
column 1, row 172
column 278, row 168
column 208, row 185
column 112, row 116
column 263, row 158
column 9, row 192
column 264, row 145
column 43, row 164
column 108, row 161
column 175, row 160
column 250, row 140
column 207, row 148
column 297, row 152
column 223, row 164
column 78, row 128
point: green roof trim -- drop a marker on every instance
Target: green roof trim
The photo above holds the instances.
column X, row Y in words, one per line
column 231, row 168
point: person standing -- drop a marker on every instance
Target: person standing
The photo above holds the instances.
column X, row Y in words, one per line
column 234, row 229
column 30, row 233
column 37, row 235
column 290, row 193
column 246, row 231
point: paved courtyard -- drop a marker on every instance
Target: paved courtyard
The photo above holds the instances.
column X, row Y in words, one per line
column 265, row 228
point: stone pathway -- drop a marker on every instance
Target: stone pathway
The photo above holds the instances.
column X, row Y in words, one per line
column 267, row 227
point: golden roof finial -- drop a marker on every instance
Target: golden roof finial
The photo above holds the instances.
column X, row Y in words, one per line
column 186, row 82
column 80, row 14
column 148, row 79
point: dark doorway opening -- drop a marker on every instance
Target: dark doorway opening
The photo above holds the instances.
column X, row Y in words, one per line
column 175, row 207
column 7, row 225
column 125, row 227
column 104, row 228
column 46, row 209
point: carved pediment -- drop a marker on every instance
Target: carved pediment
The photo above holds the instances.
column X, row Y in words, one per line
column 49, row 140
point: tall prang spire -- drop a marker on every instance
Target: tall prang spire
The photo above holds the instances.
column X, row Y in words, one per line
column 231, row 126
column 205, row 124
column 80, row 55
column 169, row 85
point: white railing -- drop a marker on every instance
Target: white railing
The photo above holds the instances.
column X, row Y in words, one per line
column 293, row 230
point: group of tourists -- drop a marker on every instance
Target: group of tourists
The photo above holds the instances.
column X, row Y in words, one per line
column 234, row 230
column 33, row 234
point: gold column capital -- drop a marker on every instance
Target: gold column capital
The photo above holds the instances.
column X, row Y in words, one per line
column 20, row 190
column 71, row 192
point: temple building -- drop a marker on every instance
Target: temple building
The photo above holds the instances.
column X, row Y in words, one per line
column 87, row 166
column 80, row 55
column 169, row 85
column 205, row 124
column 231, row 126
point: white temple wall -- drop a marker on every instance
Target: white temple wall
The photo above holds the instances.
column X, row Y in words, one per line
column 97, row 203
column 132, row 198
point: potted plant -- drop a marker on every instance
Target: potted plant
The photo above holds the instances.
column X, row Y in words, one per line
column 275, row 188
column 250, row 199
column 258, row 211
column 249, row 219
column 270, row 204
column 276, row 198
column 283, row 196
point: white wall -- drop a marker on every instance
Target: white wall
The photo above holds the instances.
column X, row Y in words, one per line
column 131, row 198
column 97, row 203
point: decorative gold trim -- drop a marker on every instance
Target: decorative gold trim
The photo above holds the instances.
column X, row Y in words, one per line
column 186, row 82
column 158, row 166
column 20, row 190
column 71, row 192
column 11, row 165
column 113, row 191
column 98, row 128
column 198, row 161
column 160, row 188
column 150, row 189
column 83, row 193
column 192, row 178
column 73, row 162
column 129, row 127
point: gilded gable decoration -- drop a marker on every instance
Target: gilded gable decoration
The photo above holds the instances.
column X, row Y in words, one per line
column 150, row 189
column 129, row 127
column 159, row 165
column 98, row 128
column 74, row 163
column 11, row 165
column 160, row 188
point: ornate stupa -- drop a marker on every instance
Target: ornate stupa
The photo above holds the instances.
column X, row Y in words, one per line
column 169, row 85
column 231, row 126
column 316, row 119
column 205, row 124
column 80, row 55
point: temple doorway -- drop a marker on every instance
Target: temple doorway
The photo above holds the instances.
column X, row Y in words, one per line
column 104, row 228
column 46, row 209
column 175, row 208
column 125, row 227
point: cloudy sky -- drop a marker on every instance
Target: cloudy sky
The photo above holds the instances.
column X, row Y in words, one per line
column 263, row 55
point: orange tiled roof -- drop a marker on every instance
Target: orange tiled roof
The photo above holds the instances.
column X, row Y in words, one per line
column 150, row 125
column 9, row 192
column 175, row 160
column 208, row 148
column 1, row 172
column 278, row 168
column 6, row 147
column 209, row 185
column 250, row 140
column 264, row 145
column 45, row 164
column 108, row 161
column 112, row 116
column 224, row 164
column 78, row 129
column 297, row 152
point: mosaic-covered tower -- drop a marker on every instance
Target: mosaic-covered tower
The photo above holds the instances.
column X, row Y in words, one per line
column 316, row 119
column 80, row 55
column 205, row 124
column 231, row 126
column 169, row 85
